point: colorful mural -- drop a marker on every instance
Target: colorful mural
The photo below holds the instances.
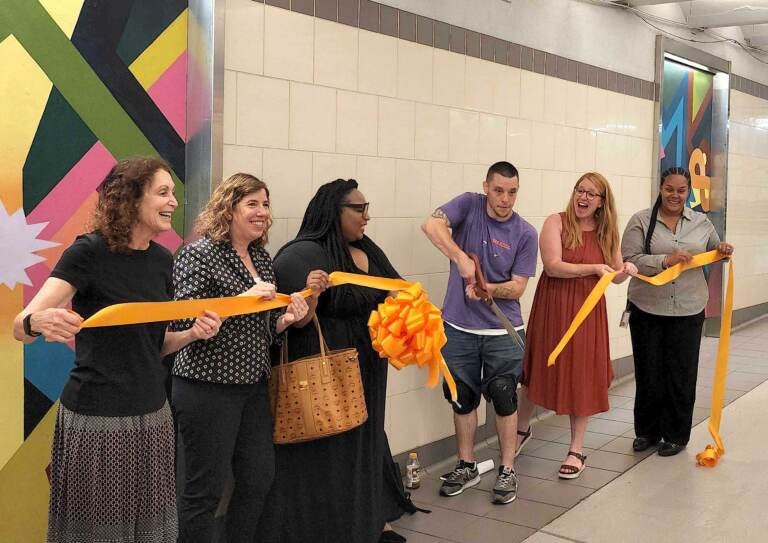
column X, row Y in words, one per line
column 85, row 83
column 686, row 141
column 686, row 138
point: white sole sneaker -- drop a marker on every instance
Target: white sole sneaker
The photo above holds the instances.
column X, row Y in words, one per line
column 468, row 484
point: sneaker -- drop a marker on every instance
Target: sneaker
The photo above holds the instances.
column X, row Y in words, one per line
column 505, row 489
column 464, row 475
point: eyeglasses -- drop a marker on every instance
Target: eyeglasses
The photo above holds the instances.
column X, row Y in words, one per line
column 360, row 208
column 578, row 191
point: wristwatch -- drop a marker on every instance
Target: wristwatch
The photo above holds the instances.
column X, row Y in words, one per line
column 28, row 326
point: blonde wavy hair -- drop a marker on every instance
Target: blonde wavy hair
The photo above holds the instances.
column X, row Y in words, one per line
column 215, row 220
column 606, row 222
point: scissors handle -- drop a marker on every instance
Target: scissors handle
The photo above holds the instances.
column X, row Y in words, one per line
column 481, row 287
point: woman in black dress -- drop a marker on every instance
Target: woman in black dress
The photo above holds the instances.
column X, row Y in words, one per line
column 341, row 488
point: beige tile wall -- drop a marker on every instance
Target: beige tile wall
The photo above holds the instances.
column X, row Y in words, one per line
column 747, row 218
column 307, row 101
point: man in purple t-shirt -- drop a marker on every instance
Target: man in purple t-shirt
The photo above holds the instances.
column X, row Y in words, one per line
column 482, row 357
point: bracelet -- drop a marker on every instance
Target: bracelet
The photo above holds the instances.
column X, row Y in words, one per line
column 28, row 326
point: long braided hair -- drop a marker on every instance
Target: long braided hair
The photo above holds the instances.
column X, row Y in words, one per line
column 675, row 170
column 321, row 224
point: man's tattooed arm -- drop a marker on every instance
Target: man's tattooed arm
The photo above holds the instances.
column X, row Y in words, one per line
column 440, row 214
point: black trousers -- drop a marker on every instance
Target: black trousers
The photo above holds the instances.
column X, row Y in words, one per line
column 223, row 427
column 666, row 353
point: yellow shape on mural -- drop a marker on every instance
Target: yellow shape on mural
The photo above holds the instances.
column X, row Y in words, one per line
column 24, row 499
column 64, row 12
column 700, row 182
column 166, row 48
column 22, row 101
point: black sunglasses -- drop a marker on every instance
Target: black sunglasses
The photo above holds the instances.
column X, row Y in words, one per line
column 360, row 208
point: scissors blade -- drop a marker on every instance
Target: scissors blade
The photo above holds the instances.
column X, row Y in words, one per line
column 482, row 292
column 507, row 324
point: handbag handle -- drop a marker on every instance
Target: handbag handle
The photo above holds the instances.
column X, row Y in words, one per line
column 284, row 347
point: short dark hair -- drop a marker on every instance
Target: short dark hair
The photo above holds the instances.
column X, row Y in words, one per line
column 504, row 169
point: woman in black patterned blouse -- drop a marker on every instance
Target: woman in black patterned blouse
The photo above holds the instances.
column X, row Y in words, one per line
column 220, row 386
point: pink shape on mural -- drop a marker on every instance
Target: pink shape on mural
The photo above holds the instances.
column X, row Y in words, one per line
column 168, row 93
column 68, row 194
column 170, row 240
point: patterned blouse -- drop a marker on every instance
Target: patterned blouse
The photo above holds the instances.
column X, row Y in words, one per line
column 239, row 353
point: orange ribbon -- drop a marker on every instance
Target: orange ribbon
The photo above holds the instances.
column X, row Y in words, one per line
column 408, row 329
column 712, row 453
column 425, row 322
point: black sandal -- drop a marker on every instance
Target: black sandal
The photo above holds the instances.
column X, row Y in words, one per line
column 526, row 438
column 572, row 472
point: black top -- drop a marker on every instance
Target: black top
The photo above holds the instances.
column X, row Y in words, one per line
column 118, row 369
column 239, row 353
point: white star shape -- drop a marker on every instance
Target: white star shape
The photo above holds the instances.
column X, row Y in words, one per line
column 18, row 244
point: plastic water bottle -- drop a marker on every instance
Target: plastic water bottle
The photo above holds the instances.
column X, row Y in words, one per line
column 412, row 475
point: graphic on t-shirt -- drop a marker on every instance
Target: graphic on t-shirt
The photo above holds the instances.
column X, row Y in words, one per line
column 501, row 244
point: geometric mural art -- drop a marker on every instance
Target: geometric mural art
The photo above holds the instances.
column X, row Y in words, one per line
column 686, row 141
column 85, row 83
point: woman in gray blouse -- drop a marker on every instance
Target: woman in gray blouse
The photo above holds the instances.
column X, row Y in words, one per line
column 665, row 321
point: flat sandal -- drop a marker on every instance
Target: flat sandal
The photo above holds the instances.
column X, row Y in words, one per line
column 526, row 438
column 572, row 472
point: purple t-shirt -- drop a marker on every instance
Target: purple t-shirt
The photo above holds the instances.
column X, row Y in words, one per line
column 504, row 248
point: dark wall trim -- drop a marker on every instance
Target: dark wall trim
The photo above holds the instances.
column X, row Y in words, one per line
column 742, row 84
column 398, row 23
column 746, row 315
column 391, row 21
column 740, row 318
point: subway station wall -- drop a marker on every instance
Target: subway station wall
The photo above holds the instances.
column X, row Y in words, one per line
column 307, row 100
column 747, row 213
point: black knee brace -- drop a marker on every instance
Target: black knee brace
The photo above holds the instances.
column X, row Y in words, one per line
column 502, row 391
column 467, row 399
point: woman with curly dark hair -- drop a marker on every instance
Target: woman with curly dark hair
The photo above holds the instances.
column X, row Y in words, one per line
column 112, row 467
column 220, row 386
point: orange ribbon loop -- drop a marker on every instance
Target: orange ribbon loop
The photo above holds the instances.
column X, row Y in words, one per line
column 409, row 330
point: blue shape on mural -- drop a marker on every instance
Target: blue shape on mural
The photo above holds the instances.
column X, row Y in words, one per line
column 674, row 123
column 47, row 365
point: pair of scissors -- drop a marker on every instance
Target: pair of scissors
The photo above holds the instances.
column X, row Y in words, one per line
column 481, row 289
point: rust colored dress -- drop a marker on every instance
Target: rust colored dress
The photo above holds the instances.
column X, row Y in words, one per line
column 578, row 382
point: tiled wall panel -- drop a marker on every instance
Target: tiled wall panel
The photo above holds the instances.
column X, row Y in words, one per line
column 417, row 124
column 747, row 220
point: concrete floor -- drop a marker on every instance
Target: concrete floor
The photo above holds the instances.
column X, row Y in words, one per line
column 624, row 496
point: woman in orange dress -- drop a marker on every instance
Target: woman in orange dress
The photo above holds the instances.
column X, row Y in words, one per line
column 578, row 246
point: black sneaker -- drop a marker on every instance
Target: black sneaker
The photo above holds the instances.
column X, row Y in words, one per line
column 505, row 489
column 464, row 475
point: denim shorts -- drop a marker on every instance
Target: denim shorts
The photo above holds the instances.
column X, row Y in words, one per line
column 476, row 360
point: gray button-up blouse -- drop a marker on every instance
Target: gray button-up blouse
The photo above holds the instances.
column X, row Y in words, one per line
column 686, row 295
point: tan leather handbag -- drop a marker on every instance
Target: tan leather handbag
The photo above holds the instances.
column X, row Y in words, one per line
column 316, row 396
